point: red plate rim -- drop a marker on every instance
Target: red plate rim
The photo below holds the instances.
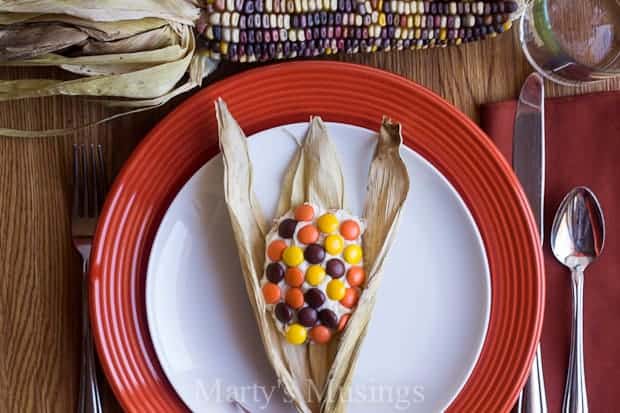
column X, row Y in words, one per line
column 290, row 92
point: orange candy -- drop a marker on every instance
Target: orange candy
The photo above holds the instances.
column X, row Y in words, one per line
column 343, row 322
column 356, row 276
column 271, row 292
column 308, row 234
column 320, row 334
column 295, row 298
column 294, row 277
column 350, row 297
column 275, row 249
column 350, row 229
column 304, row 212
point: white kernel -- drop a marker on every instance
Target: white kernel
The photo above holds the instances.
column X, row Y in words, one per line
column 235, row 35
column 226, row 35
column 226, row 19
column 215, row 18
column 452, row 7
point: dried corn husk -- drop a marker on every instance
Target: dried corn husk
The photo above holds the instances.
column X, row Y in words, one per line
column 316, row 377
column 136, row 54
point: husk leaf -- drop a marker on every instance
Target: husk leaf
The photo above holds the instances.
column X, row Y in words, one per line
column 23, row 42
column 310, row 373
column 147, row 83
column 249, row 228
column 181, row 11
column 388, row 186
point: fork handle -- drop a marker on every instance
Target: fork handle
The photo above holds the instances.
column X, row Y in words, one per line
column 90, row 400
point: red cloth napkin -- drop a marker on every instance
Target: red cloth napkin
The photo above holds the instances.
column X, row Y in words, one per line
column 582, row 148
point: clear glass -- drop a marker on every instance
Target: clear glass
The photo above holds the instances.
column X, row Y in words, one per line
column 572, row 41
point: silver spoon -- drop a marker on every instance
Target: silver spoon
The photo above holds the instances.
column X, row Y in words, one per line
column 577, row 239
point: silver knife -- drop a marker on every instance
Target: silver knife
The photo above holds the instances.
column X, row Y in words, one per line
column 528, row 162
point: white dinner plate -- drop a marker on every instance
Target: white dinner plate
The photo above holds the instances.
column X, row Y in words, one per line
column 432, row 309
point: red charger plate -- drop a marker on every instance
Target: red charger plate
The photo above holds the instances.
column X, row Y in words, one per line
column 291, row 92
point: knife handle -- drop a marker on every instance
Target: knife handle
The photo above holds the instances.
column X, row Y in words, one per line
column 533, row 397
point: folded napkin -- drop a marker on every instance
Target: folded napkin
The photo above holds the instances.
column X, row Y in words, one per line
column 582, row 148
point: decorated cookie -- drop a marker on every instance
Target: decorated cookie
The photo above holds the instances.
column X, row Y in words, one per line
column 314, row 272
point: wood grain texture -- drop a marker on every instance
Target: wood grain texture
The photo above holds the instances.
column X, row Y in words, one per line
column 40, row 273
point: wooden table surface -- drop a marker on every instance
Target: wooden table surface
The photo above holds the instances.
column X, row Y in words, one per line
column 39, row 271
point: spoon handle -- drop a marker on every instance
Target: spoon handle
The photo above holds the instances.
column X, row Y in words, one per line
column 575, row 396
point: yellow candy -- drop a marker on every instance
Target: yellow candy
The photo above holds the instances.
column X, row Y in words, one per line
column 315, row 274
column 293, row 256
column 296, row 334
column 334, row 244
column 352, row 254
column 328, row 223
column 336, row 290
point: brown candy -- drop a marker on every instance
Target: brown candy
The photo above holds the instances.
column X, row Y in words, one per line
column 314, row 253
column 314, row 297
column 328, row 318
column 287, row 228
column 284, row 313
column 274, row 272
column 335, row 268
column 307, row 316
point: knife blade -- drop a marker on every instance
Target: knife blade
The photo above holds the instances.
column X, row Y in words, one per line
column 528, row 162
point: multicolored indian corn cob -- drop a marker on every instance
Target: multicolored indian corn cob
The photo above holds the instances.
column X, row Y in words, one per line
column 259, row 30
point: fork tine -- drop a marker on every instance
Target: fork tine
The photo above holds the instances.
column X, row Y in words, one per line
column 102, row 176
column 94, row 167
column 86, row 203
column 76, row 181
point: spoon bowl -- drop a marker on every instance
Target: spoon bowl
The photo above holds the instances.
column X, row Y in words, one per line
column 578, row 231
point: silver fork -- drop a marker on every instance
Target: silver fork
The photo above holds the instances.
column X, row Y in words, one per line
column 89, row 188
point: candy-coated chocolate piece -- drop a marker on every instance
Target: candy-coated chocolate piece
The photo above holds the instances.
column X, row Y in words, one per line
column 307, row 316
column 356, row 276
column 334, row 244
column 309, row 234
column 275, row 272
column 328, row 318
column 286, row 229
column 296, row 334
column 352, row 254
column 328, row 223
column 314, row 297
column 274, row 250
column 293, row 256
column 304, row 212
column 284, row 313
column 335, row 268
column 315, row 275
column 343, row 322
column 295, row 298
column 350, row 229
column 320, row 334
column 314, row 253
column 271, row 292
column 294, row 277
column 351, row 296
column 336, row 290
